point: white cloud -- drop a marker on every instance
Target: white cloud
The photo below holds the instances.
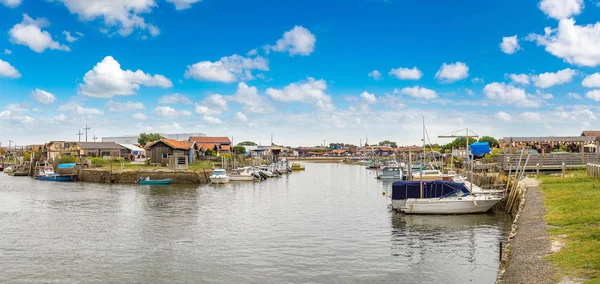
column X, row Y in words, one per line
column 29, row 33
column 574, row 96
column 469, row 92
column 175, row 125
column 477, row 80
column 503, row 116
column 124, row 106
column 418, row 92
column 124, row 15
column 16, row 107
column 71, row 38
column 298, row 40
column 169, row 112
column 241, row 117
column 212, row 105
column 592, row 81
column 5, row 113
column 153, row 30
column 183, row 4
column 79, row 110
column 311, row 92
column 211, row 119
column 375, row 74
column 561, row 9
column 139, row 116
column 107, row 79
column 368, row 98
column 594, row 95
column 175, row 99
column 7, row 51
column 531, row 116
column 522, row 79
column 7, row 70
column 509, row 94
column 60, row 118
column 510, row 44
column 11, row 3
column 449, row 73
column 43, row 97
column 228, row 69
column 250, row 99
column 252, row 52
column 407, row 73
column 549, row 79
column 543, row 95
column 574, row 44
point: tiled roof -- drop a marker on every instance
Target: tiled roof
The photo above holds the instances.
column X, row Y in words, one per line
column 338, row 151
column 207, row 146
column 211, row 140
column 225, row 148
column 590, row 133
column 183, row 145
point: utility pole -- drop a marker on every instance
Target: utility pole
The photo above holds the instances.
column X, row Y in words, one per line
column 86, row 130
column 9, row 143
column 95, row 138
column 79, row 134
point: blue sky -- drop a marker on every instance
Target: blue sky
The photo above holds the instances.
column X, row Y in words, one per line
column 306, row 71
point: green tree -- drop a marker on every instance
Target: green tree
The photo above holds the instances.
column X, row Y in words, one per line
column 150, row 137
column 210, row 152
column 247, row 143
column 240, row 150
column 388, row 143
column 458, row 143
column 491, row 140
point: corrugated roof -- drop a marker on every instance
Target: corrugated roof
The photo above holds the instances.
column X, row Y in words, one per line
column 133, row 147
column 99, row 145
column 210, row 140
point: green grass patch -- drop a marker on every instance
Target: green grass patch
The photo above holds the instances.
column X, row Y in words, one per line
column 573, row 212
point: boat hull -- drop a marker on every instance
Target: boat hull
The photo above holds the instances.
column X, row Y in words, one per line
column 241, row 178
column 454, row 205
column 219, row 180
column 18, row 174
column 156, row 182
column 55, row 178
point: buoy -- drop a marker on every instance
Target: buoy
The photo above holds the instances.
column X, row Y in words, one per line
column 383, row 193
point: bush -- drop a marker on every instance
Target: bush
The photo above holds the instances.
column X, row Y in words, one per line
column 98, row 162
column 66, row 159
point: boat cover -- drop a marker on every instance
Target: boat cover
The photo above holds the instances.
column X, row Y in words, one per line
column 480, row 148
column 66, row 166
column 431, row 189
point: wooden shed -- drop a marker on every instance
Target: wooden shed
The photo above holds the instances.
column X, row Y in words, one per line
column 159, row 152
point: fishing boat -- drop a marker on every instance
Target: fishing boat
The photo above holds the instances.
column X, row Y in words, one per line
column 8, row 169
column 390, row 173
column 243, row 174
column 219, row 176
column 297, row 167
column 148, row 181
column 47, row 173
column 439, row 197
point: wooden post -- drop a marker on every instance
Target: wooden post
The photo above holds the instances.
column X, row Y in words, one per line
column 564, row 169
column 537, row 170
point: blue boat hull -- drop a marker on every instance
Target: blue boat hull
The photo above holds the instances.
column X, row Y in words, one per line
column 156, row 182
column 55, row 178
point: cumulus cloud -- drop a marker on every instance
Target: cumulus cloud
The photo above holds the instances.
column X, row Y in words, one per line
column 503, row 116
column 241, row 117
column 522, row 79
column 572, row 43
column 509, row 94
column 7, row 70
column 531, row 116
column 174, row 99
column 574, row 96
column 183, row 4
column 449, row 73
column 11, row 3
column 368, row 97
column 510, row 44
column 549, row 79
column 29, row 33
column 212, row 105
column 311, row 92
column 592, row 81
column 43, row 97
column 7, row 51
column 418, row 92
column 228, row 69
column 71, row 38
column 59, row 118
column 249, row 97
column 407, row 73
column 594, row 95
column 212, row 119
column 139, row 116
column 79, row 110
column 375, row 74
column 123, row 15
column 124, row 106
column 107, row 79
column 169, row 112
column 561, row 9
column 297, row 41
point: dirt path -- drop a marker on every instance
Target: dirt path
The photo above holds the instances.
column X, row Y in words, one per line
column 531, row 243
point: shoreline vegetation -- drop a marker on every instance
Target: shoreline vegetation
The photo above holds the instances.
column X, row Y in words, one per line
column 572, row 206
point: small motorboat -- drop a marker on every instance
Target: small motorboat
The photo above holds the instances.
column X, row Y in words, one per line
column 219, row 176
column 148, row 181
column 47, row 173
column 244, row 174
column 297, row 167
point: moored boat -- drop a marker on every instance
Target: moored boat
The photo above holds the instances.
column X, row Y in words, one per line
column 243, row 174
column 47, row 173
column 390, row 173
column 148, row 181
column 219, row 176
column 297, row 167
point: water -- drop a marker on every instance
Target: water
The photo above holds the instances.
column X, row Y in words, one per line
column 329, row 224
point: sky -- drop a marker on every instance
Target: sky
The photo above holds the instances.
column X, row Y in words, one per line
column 308, row 72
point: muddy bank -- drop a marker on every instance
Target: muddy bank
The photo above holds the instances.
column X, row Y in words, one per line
column 130, row 176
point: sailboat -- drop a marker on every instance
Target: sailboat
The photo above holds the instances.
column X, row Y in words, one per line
column 438, row 196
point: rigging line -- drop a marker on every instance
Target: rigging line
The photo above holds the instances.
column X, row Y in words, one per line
column 430, row 147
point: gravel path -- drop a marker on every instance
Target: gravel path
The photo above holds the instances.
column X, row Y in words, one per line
column 531, row 243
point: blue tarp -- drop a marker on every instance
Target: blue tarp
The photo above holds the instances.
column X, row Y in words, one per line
column 66, row 166
column 480, row 148
column 431, row 189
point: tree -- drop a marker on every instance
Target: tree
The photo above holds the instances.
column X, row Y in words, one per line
column 150, row 137
column 247, row 143
column 210, row 152
column 458, row 143
column 388, row 143
column 239, row 150
column 491, row 140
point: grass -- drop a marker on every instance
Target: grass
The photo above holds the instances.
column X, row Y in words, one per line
column 573, row 213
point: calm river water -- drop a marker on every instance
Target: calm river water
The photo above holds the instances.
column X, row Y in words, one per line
column 329, row 224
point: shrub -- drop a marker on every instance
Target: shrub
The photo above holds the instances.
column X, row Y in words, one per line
column 98, row 162
column 63, row 159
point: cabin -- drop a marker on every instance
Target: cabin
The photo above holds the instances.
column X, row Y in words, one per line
column 220, row 144
column 161, row 151
column 54, row 149
column 99, row 149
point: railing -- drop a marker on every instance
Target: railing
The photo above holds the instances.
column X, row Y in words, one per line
column 593, row 170
column 549, row 161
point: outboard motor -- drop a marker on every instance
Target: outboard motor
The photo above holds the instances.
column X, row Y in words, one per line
column 278, row 172
column 263, row 175
column 289, row 169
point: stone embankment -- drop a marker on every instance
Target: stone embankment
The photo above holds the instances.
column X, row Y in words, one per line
column 131, row 176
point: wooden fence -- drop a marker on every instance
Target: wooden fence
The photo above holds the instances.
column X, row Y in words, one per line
column 593, row 170
column 549, row 162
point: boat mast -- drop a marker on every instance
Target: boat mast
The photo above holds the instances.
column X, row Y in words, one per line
column 423, row 159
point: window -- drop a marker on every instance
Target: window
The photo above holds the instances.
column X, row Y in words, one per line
column 165, row 156
column 105, row 154
column 181, row 160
